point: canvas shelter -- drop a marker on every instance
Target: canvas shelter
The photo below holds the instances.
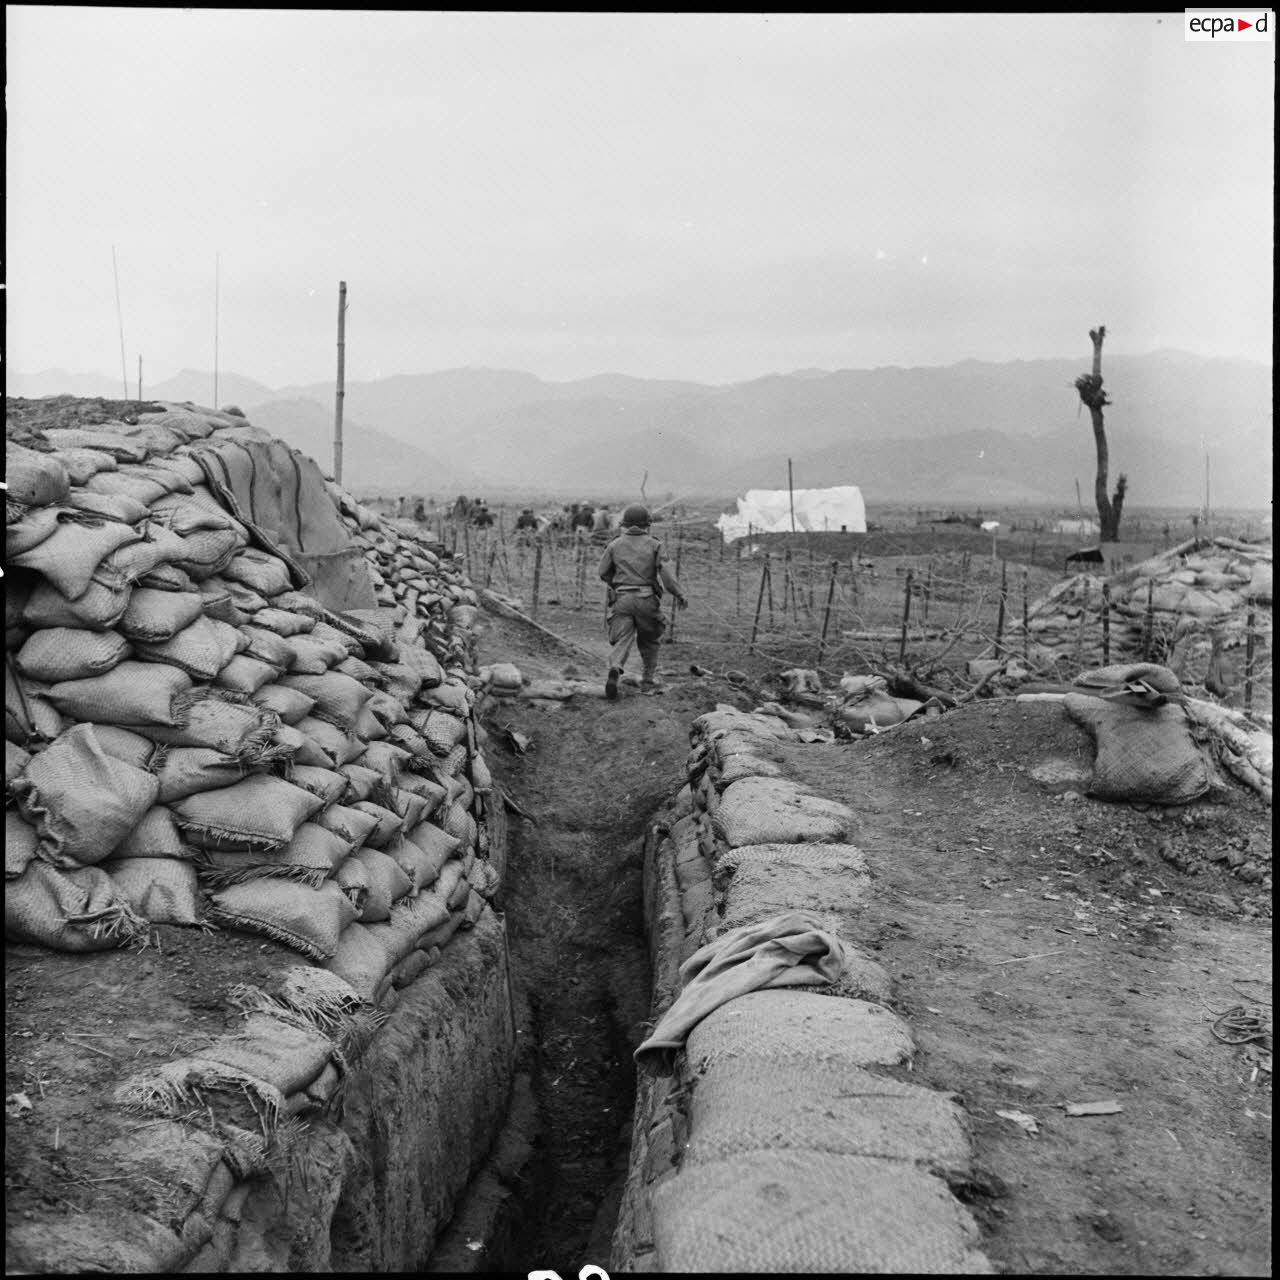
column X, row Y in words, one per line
column 816, row 511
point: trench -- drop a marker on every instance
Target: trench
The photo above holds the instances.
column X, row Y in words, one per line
column 573, row 904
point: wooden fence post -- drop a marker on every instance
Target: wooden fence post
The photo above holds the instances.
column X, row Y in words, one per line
column 1106, row 624
column 537, row 577
column 768, row 577
column 1004, row 595
column 1026, row 623
column 737, row 579
column 826, row 615
column 755, row 626
column 488, row 572
column 928, row 590
column 906, row 614
column 1149, row 622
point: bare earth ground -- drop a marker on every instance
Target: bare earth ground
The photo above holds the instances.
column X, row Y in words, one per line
column 977, row 867
column 1045, row 951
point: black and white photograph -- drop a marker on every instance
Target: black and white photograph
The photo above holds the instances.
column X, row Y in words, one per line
column 638, row 641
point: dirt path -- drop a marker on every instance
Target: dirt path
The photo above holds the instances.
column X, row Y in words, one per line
column 1046, row 951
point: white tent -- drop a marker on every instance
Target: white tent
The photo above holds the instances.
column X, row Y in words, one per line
column 816, row 511
column 1081, row 528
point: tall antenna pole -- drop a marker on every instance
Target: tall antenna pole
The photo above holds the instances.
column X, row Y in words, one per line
column 216, row 283
column 139, row 378
column 115, row 270
column 342, row 355
column 1208, row 507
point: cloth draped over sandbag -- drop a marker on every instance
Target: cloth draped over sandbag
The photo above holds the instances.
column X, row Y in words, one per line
column 788, row 950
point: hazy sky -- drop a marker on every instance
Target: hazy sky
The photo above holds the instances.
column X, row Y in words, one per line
column 713, row 196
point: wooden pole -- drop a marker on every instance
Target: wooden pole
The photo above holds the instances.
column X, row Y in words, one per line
column 755, row 626
column 1148, row 623
column 1084, row 613
column 488, row 571
column 928, row 591
column 811, row 582
column 1004, row 595
column 791, row 497
column 551, row 560
column 826, row 613
column 537, row 577
column 466, row 549
column 342, row 388
column 1026, row 624
column 769, row 579
column 737, row 579
column 1106, row 624
column 906, row 615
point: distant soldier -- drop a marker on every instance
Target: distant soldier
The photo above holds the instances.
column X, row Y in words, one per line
column 635, row 575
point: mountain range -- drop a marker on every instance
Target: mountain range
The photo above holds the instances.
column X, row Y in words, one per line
column 969, row 433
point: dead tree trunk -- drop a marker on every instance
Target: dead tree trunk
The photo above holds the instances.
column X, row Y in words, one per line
column 1089, row 385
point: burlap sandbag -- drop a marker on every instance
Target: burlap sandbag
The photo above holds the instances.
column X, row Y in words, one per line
column 34, row 479
column 459, row 823
column 133, row 748
column 80, row 464
column 422, row 868
column 234, row 728
column 412, row 808
column 338, row 698
column 161, row 890
column 201, row 649
column 112, row 442
column 168, row 577
column 406, row 736
column 81, row 801
column 258, row 813
column 387, row 883
column 184, row 514
column 299, row 748
column 348, row 822
column 311, row 856
column 78, row 910
column 132, row 693
column 434, row 841
column 20, row 842
column 399, row 680
column 369, row 726
column 442, row 729
column 155, row 616
column 314, row 657
column 390, row 710
column 776, row 811
column 206, row 551
column 55, row 654
column 186, row 770
column 34, row 526
column 363, row 783
column 246, row 675
column 339, row 748
column 408, row 921
column 264, row 573
column 276, row 1049
column 265, row 645
column 283, row 621
column 360, row 961
column 71, row 554
column 101, row 606
column 1159, row 678
column 308, row 920
column 387, row 758
column 1144, row 754
column 328, row 784
column 155, row 836
column 453, row 695
column 387, row 823
column 428, row 788
column 290, row 705
column 116, row 506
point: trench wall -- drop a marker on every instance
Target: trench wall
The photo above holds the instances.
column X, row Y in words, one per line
column 338, row 1126
column 788, row 1136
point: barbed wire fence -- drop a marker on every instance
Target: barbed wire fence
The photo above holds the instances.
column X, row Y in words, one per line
column 923, row 612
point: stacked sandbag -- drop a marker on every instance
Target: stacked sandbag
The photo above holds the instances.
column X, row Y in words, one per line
column 789, row 1087
column 1192, row 593
column 201, row 740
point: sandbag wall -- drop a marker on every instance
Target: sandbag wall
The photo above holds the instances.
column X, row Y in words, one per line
column 1171, row 605
column 192, row 738
column 781, row 1142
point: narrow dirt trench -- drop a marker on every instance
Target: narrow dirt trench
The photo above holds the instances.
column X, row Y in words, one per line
column 592, row 778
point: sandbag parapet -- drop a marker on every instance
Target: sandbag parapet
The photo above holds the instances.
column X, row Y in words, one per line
column 782, row 1108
